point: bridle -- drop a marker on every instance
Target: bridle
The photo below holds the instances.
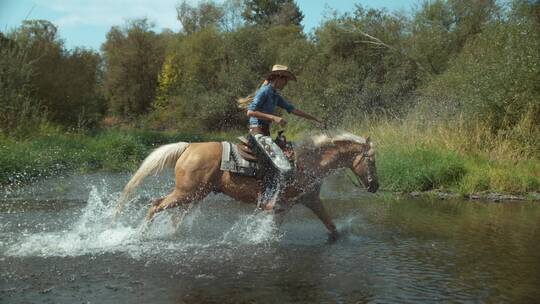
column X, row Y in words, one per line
column 365, row 157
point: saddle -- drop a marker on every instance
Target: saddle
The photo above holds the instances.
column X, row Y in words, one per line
column 240, row 157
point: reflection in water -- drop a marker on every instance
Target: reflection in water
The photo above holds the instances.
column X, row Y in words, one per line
column 57, row 245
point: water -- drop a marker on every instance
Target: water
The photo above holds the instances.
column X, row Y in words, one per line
column 57, row 246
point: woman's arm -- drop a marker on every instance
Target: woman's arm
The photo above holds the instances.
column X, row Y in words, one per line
column 268, row 117
column 303, row 114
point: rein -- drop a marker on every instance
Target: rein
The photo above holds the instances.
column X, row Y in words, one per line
column 359, row 158
column 365, row 158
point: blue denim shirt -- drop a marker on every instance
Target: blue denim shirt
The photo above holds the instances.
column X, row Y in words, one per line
column 266, row 99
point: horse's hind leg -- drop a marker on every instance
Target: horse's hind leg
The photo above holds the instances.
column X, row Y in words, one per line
column 178, row 218
column 171, row 200
column 156, row 201
column 176, row 198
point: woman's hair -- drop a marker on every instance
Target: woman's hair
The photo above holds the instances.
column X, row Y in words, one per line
column 244, row 102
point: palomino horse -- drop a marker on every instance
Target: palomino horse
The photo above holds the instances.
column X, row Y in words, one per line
column 197, row 169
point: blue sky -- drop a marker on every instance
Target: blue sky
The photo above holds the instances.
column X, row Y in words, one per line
column 85, row 23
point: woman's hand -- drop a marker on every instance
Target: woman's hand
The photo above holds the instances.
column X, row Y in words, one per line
column 280, row 121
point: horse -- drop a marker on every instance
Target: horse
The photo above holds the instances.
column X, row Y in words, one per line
column 197, row 174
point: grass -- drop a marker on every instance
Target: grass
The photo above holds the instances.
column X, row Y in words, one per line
column 415, row 157
column 505, row 176
column 419, row 168
column 53, row 152
column 410, row 157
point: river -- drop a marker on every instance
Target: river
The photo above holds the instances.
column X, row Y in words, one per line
column 57, row 246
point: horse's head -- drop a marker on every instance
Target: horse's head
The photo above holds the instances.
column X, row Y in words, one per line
column 358, row 154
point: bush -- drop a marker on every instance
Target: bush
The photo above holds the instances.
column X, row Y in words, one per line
column 493, row 83
column 419, row 168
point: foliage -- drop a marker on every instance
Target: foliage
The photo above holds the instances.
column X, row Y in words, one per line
column 415, row 156
column 494, row 83
column 225, row 16
column 53, row 152
column 199, row 84
column 459, row 77
column 272, row 12
column 133, row 57
column 416, row 168
column 441, row 28
column 65, row 83
column 194, row 19
column 19, row 113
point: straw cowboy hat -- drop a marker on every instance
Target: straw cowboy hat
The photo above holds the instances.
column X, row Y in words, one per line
column 281, row 70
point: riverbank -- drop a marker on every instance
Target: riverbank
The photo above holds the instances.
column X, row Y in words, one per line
column 52, row 152
column 453, row 158
column 409, row 160
column 485, row 197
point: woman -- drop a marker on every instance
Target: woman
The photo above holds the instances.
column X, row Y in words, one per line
column 262, row 106
column 261, row 110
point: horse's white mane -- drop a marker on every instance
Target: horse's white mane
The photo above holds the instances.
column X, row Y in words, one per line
column 329, row 138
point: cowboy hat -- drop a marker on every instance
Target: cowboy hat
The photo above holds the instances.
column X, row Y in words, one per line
column 281, row 70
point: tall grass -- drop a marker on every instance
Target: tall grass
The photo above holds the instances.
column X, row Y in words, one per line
column 414, row 156
column 411, row 156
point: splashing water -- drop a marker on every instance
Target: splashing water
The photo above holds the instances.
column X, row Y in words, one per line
column 92, row 233
column 389, row 250
column 253, row 229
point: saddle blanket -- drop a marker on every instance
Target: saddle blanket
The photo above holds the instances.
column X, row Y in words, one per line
column 232, row 161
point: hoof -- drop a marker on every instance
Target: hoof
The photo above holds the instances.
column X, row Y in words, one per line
column 333, row 237
column 150, row 214
column 156, row 202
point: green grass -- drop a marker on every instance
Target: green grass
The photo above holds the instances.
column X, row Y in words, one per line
column 408, row 158
column 418, row 168
column 411, row 157
column 408, row 168
column 53, row 152
column 505, row 176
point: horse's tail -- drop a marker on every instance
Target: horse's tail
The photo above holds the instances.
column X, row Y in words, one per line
column 160, row 159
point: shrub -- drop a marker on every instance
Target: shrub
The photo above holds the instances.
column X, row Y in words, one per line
column 419, row 168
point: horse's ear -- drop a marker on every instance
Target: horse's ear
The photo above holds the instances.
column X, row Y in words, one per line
column 368, row 140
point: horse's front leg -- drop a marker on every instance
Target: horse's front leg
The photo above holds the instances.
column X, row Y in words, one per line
column 314, row 203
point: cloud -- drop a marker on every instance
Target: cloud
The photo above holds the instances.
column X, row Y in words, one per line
column 75, row 13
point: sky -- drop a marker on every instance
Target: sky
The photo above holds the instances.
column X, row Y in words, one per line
column 84, row 23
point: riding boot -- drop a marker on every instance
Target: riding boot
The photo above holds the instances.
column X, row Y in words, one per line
column 273, row 179
column 273, row 185
column 268, row 191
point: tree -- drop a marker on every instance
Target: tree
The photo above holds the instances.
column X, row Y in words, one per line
column 493, row 83
column 65, row 82
column 19, row 112
column 194, row 19
column 441, row 28
column 272, row 12
column 232, row 15
column 133, row 56
column 188, row 80
column 82, row 78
